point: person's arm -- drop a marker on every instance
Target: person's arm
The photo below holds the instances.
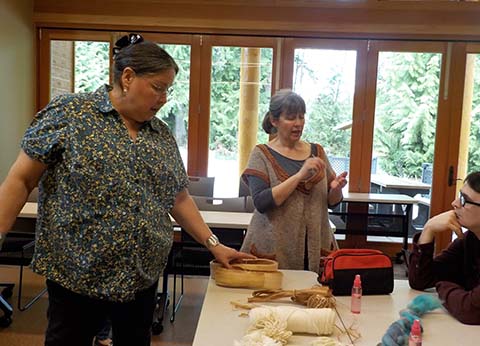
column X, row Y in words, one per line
column 444, row 222
column 186, row 213
column 425, row 270
column 462, row 304
column 261, row 193
column 20, row 181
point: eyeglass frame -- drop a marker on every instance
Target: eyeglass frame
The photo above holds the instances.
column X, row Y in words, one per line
column 464, row 201
column 160, row 90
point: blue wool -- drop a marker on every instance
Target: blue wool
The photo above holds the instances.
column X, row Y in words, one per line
column 424, row 303
column 398, row 332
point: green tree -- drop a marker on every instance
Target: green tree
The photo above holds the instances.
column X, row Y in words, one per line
column 91, row 65
column 225, row 94
column 175, row 112
column 332, row 106
column 405, row 115
column 474, row 141
column 407, row 93
column 327, row 111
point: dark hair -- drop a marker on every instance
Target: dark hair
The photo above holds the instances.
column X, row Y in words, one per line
column 473, row 180
column 285, row 100
column 144, row 57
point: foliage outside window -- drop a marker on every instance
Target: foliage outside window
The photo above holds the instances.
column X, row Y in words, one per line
column 406, row 111
column 406, row 104
column 225, row 94
column 325, row 79
column 91, row 65
column 474, row 142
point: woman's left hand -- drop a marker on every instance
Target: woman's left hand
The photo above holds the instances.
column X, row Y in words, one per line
column 339, row 182
column 225, row 255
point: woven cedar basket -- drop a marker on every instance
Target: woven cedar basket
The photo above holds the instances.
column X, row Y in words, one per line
column 248, row 273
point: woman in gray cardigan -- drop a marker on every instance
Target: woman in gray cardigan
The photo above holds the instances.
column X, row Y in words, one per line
column 292, row 184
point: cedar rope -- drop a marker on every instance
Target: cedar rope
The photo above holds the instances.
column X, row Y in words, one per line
column 315, row 297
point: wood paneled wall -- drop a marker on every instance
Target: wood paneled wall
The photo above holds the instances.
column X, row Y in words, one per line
column 347, row 18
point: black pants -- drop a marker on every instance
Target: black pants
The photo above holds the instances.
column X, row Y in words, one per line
column 74, row 319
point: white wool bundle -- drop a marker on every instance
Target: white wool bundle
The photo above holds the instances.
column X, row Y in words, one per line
column 299, row 320
column 326, row 341
column 257, row 338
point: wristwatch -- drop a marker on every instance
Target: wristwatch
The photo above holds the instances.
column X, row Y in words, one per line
column 212, row 241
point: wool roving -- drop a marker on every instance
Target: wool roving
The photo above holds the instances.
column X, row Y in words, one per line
column 397, row 333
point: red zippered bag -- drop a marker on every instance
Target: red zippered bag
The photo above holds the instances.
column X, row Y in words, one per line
column 374, row 267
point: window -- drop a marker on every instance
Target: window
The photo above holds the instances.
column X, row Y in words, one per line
column 325, row 78
column 78, row 66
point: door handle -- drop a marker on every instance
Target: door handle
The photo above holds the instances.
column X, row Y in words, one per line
column 451, row 178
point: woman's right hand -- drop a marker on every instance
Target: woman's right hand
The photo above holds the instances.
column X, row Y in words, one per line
column 310, row 167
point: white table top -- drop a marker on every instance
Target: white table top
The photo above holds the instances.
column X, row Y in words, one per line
column 29, row 210
column 390, row 181
column 214, row 219
column 220, row 324
column 378, row 198
column 222, row 219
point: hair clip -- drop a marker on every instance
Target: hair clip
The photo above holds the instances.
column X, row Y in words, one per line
column 126, row 41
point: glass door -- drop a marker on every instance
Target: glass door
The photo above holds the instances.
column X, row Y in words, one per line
column 405, row 105
column 469, row 153
column 240, row 85
column 330, row 76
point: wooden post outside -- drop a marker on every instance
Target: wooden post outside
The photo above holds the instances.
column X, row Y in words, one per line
column 466, row 120
column 248, row 108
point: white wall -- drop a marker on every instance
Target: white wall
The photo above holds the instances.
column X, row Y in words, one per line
column 17, row 79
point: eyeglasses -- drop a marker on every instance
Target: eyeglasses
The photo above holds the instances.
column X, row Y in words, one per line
column 161, row 90
column 126, row 41
column 464, row 201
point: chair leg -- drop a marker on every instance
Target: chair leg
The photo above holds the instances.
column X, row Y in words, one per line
column 176, row 305
column 20, row 284
column 7, row 309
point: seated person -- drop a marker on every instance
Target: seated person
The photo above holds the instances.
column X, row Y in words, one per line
column 456, row 271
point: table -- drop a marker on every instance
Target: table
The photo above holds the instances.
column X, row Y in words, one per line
column 385, row 183
column 214, row 219
column 220, row 325
column 355, row 209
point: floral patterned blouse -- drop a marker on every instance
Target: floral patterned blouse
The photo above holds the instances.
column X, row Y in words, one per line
column 103, row 227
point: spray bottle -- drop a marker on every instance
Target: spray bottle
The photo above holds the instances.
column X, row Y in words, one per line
column 415, row 338
column 356, row 295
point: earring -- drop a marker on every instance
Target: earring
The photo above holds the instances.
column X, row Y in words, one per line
column 125, row 91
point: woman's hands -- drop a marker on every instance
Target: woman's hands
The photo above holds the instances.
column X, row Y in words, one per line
column 335, row 194
column 310, row 167
column 225, row 255
column 339, row 182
